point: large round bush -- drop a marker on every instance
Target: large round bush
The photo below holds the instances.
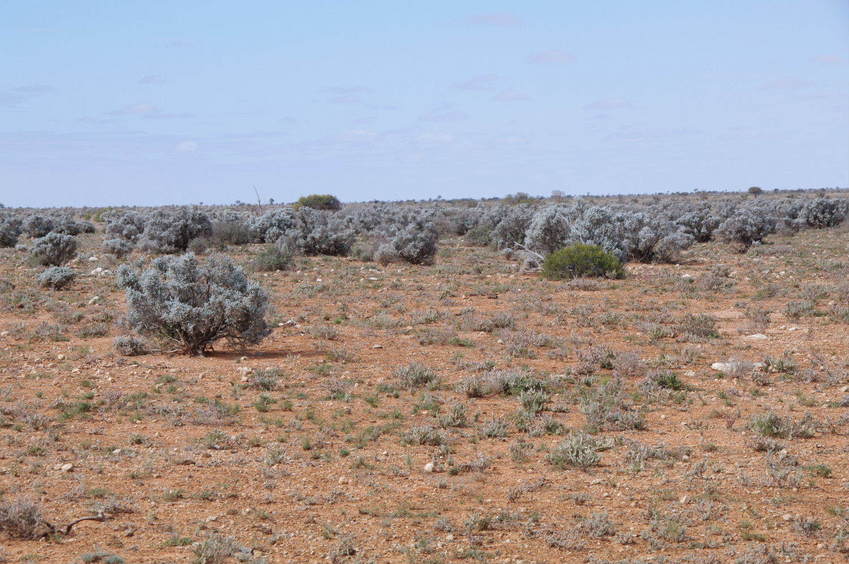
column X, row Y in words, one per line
column 192, row 305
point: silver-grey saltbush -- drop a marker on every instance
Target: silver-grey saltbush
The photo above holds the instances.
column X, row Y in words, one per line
column 190, row 305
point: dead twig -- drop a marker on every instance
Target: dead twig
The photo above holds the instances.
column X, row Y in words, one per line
column 66, row 530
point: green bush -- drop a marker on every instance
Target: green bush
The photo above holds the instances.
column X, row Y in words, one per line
column 272, row 258
column 319, row 202
column 580, row 260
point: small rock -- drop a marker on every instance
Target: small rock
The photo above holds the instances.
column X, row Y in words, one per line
column 377, row 346
column 428, row 467
column 94, row 300
column 757, row 337
column 67, row 467
column 92, row 259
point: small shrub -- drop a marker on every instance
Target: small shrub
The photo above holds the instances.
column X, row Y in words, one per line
column 424, row 435
column 265, row 379
column 606, row 410
column 37, row 225
column 495, row 429
column 666, row 380
column 548, row 230
column 456, row 417
column 581, row 260
column 533, row 401
column 323, row 234
column 272, row 258
column 230, row 233
column 192, row 305
column 597, row 526
column 56, row 277
column 415, row 375
column 745, row 228
column 415, row 244
column 326, row 202
column 824, row 212
column 774, row 426
column 128, row 226
column 217, row 549
column 579, row 450
column 21, row 518
column 10, row 229
column 118, row 247
column 54, row 249
column 698, row 325
column 480, row 235
column 171, row 232
column 127, row 345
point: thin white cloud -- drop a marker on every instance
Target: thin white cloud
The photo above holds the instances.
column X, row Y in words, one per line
column 186, row 147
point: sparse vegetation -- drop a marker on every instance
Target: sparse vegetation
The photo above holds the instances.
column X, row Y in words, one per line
column 670, row 412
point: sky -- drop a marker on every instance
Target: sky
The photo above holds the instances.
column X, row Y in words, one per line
column 154, row 102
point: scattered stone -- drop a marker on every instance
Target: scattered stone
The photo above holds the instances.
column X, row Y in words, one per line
column 757, row 337
column 67, row 467
column 428, row 467
column 729, row 367
column 377, row 346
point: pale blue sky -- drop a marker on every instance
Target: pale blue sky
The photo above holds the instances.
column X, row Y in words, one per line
column 153, row 102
